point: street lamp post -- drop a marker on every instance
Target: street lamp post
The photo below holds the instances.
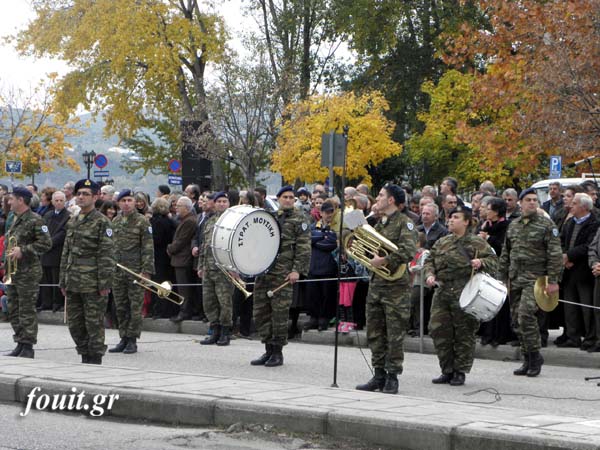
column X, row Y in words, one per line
column 88, row 159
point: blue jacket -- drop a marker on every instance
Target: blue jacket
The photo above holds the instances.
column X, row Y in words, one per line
column 323, row 242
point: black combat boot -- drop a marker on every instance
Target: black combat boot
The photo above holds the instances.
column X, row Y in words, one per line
column 525, row 367
column 17, row 350
column 377, row 383
column 391, row 384
column 94, row 359
column 225, row 336
column 276, row 358
column 85, row 359
column 27, row 351
column 119, row 347
column 458, row 379
column 214, row 337
column 261, row 360
column 535, row 364
column 444, row 378
column 131, row 346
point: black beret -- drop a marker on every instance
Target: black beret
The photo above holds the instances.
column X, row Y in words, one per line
column 218, row 195
column 527, row 191
column 21, row 191
column 465, row 210
column 124, row 193
column 287, row 188
column 85, row 183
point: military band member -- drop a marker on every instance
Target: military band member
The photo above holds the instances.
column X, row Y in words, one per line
column 29, row 238
column 86, row 272
column 293, row 259
column 217, row 290
column 531, row 249
column 449, row 265
column 134, row 249
column 388, row 302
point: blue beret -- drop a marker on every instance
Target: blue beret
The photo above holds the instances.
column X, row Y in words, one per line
column 124, row 193
column 525, row 192
column 218, row 195
column 85, row 183
column 287, row 188
column 21, row 191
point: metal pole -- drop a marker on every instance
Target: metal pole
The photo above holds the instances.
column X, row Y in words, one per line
column 421, row 312
column 331, row 138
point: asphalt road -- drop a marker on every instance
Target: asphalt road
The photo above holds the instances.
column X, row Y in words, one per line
column 558, row 390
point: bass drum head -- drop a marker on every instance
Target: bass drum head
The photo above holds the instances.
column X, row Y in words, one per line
column 254, row 243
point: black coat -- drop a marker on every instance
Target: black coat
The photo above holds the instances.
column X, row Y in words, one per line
column 163, row 230
column 496, row 233
column 437, row 231
column 578, row 254
column 56, row 224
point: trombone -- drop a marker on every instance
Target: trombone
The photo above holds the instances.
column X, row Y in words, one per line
column 237, row 283
column 11, row 264
column 162, row 290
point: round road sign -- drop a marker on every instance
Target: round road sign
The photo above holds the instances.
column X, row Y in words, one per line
column 174, row 165
column 101, row 161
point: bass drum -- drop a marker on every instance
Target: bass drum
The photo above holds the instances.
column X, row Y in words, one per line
column 246, row 240
column 483, row 297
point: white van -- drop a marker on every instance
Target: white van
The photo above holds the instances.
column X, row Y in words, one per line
column 541, row 187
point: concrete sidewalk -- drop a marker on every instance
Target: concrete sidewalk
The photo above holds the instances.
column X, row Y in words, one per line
column 569, row 357
column 392, row 420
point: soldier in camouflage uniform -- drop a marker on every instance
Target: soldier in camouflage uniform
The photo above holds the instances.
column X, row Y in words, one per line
column 531, row 249
column 217, row 290
column 293, row 259
column 450, row 265
column 31, row 241
column 134, row 249
column 388, row 302
column 86, row 271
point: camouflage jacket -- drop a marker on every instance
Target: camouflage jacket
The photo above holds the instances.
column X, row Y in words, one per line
column 450, row 258
column 33, row 238
column 206, row 260
column 531, row 249
column 88, row 262
column 294, row 247
column 399, row 229
column 134, row 246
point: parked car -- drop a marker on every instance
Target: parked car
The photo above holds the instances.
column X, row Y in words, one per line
column 541, row 187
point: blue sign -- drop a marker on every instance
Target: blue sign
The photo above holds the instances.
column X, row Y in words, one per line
column 100, row 173
column 12, row 166
column 555, row 166
column 176, row 180
column 174, row 165
column 101, row 161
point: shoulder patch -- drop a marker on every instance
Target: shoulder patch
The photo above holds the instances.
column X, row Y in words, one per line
column 555, row 232
column 44, row 228
column 109, row 232
column 410, row 226
column 150, row 230
column 304, row 226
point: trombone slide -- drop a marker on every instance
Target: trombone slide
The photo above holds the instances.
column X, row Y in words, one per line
column 237, row 283
column 162, row 290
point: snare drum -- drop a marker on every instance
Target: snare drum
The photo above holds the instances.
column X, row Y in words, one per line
column 483, row 297
column 245, row 240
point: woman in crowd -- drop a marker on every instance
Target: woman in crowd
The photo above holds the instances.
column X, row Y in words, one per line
column 46, row 200
column 109, row 209
column 141, row 204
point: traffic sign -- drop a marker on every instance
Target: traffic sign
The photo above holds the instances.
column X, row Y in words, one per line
column 100, row 173
column 101, row 161
column 174, row 165
column 555, row 166
column 176, row 180
column 12, row 166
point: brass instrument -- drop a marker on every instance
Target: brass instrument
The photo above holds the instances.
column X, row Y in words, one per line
column 162, row 290
column 364, row 242
column 12, row 265
column 237, row 283
column 546, row 302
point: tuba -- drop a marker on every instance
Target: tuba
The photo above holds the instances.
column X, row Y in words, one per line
column 11, row 264
column 162, row 290
column 364, row 242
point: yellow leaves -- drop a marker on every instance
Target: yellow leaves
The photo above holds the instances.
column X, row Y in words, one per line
column 298, row 152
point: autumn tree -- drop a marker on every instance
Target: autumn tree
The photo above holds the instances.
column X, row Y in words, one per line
column 140, row 63
column 31, row 131
column 298, row 151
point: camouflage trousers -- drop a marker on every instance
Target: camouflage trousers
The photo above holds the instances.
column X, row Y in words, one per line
column 85, row 318
column 217, row 298
column 271, row 314
column 22, row 296
column 452, row 330
column 388, row 314
column 523, row 309
column 129, row 300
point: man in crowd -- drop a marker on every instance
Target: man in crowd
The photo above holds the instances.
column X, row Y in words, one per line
column 217, row 290
column 449, row 202
column 531, row 249
column 555, row 203
column 192, row 191
column 388, row 302
column 513, row 210
column 363, row 189
column 271, row 312
column 488, row 188
column 134, row 249
column 107, row 192
column 70, row 200
column 26, row 240
column 261, row 194
column 56, row 220
column 86, row 272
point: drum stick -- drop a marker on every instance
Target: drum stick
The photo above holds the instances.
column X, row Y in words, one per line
column 270, row 294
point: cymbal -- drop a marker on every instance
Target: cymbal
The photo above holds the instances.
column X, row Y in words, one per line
column 546, row 302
